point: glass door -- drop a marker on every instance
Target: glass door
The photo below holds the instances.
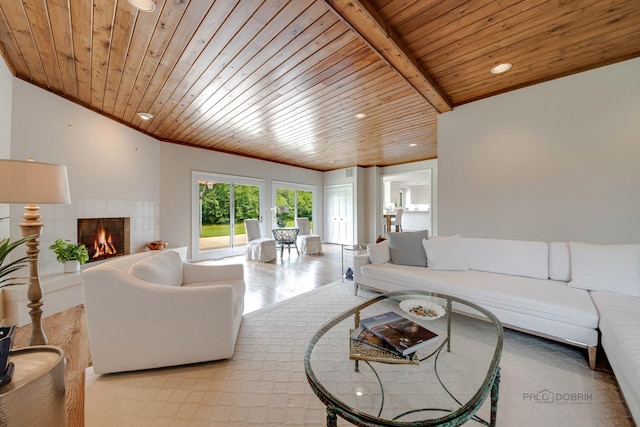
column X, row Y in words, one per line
column 222, row 203
column 246, row 205
column 292, row 201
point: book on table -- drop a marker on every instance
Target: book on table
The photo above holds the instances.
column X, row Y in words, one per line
column 366, row 346
column 368, row 338
column 403, row 335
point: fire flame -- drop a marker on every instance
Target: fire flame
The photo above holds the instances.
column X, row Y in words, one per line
column 103, row 245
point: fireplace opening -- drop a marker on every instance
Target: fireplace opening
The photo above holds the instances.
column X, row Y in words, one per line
column 104, row 237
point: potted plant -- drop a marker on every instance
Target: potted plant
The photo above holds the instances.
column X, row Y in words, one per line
column 6, row 332
column 71, row 255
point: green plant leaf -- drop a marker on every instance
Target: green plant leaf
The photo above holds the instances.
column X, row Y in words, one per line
column 6, row 247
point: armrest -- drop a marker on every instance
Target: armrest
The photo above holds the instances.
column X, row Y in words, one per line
column 358, row 261
column 194, row 273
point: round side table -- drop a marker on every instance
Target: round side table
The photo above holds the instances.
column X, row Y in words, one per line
column 36, row 394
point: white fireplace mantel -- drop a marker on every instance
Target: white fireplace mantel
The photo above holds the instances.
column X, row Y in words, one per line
column 60, row 292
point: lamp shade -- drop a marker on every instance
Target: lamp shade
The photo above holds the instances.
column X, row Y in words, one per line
column 31, row 182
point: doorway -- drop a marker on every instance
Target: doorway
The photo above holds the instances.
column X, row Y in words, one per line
column 221, row 204
column 411, row 191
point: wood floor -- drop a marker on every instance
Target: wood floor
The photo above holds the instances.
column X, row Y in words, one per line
column 267, row 283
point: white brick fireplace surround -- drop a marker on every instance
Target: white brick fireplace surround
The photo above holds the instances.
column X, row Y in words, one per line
column 62, row 291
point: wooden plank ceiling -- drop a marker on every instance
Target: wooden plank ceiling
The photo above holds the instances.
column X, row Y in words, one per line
column 283, row 80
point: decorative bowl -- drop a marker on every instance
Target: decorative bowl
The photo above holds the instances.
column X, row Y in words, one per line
column 157, row 245
column 421, row 309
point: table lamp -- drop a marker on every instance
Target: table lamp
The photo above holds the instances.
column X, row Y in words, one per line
column 31, row 183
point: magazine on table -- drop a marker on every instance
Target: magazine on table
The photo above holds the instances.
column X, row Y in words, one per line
column 366, row 346
column 404, row 335
column 367, row 337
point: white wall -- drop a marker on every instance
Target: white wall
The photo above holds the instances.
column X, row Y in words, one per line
column 177, row 162
column 555, row 161
column 102, row 156
column 113, row 170
column 6, row 94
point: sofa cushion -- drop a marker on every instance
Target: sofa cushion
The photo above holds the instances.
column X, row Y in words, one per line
column 445, row 253
column 379, row 252
column 164, row 268
column 559, row 261
column 405, row 248
column 513, row 257
column 614, row 268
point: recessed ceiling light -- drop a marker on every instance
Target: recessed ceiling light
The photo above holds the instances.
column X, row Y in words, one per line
column 413, row 144
column 145, row 116
column 143, row 5
column 501, row 68
column 360, row 116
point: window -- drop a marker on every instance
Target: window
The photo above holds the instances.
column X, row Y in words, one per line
column 298, row 201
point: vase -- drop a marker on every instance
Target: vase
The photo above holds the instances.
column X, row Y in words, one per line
column 71, row 266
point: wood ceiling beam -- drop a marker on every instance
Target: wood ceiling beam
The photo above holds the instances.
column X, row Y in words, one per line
column 369, row 25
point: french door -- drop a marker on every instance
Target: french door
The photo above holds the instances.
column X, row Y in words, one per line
column 338, row 205
column 221, row 204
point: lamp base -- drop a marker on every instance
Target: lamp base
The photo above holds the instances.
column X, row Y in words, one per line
column 33, row 227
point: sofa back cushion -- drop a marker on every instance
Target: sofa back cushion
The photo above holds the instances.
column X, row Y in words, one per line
column 164, row 268
column 445, row 253
column 515, row 257
column 559, row 261
column 405, row 248
column 613, row 268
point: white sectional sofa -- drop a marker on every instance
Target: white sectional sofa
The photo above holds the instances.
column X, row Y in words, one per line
column 530, row 286
column 620, row 326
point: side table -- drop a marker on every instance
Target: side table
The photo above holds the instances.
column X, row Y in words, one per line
column 36, row 394
column 286, row 236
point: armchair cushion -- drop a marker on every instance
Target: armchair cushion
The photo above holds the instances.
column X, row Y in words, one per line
column 164, row 268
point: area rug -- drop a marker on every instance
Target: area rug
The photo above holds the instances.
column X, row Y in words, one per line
column 264, row 383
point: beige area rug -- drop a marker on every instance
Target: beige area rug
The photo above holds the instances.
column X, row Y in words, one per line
column 264, row 383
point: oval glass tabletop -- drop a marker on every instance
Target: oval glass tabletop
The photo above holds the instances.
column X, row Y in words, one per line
column 444, row 382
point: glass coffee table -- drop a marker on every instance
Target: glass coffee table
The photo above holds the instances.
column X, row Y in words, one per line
column 445, row 384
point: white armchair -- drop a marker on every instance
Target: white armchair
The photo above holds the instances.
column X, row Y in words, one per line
column 308, row 243
column 151, row 310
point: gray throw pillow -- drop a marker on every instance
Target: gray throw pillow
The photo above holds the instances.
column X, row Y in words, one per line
column 405, row 248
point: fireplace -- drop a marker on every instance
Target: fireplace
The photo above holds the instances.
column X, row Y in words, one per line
column 104, row 237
